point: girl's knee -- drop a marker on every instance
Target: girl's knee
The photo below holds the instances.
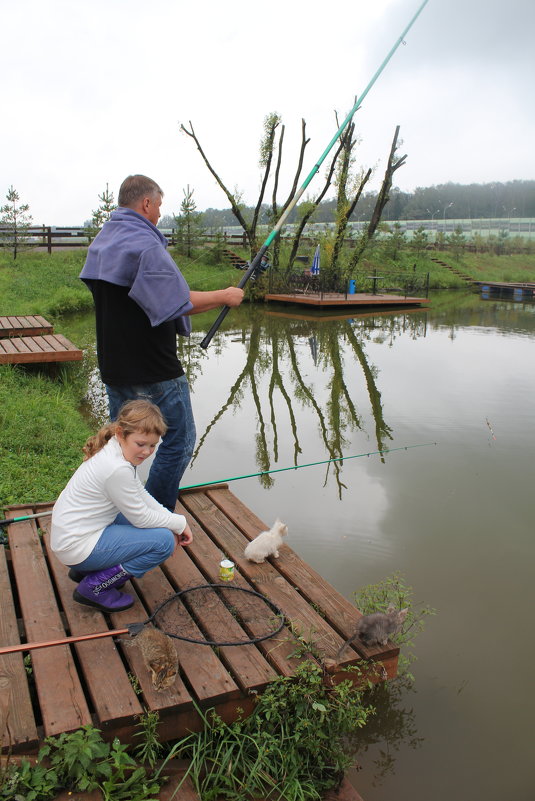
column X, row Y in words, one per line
column 167, row 544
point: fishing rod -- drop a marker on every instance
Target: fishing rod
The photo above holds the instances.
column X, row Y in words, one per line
column 310, row 464
column 8, row 520
column 315, row 169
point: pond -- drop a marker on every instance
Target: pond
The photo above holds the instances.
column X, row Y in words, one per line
column 282, row 387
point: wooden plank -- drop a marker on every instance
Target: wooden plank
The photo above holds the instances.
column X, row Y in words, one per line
column 306, row 622
column 249, row 668
column 17, row 722
column 203, row 671
column 19, row 345
column 62, row 701
column 99, row 659
column 44, row 344
column 206, row 555
column 8, row 346
column 341, row 614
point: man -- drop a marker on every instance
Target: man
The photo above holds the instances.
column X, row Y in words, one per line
column 141, row 302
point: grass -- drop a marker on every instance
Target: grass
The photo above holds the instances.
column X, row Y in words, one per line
column 41, row 434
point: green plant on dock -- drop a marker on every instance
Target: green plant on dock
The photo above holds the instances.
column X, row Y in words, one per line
column 295, row 745
column 79, row 761
column 149, row 748
column 394, row 590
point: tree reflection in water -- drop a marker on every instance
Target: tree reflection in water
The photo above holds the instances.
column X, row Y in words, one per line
column 393, row 725
column 272, row 356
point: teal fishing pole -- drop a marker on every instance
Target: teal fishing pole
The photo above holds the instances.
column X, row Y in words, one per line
column 310, row 464
column 315, row 169
column 8, row 520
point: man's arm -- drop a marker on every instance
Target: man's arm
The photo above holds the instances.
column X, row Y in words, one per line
column 205, row 301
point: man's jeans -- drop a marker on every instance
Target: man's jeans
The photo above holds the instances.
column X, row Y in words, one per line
column 176, row 448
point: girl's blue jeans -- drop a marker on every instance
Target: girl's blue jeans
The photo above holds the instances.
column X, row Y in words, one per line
column 136, row 549
column 176, row 448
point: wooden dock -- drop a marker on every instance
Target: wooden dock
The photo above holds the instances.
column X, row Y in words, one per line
column 491, row 290
column 28, row 325
column 104, row 681
column 361, row 299
column 38, row 349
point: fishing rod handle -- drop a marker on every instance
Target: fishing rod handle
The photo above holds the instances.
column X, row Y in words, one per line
column 225, row 310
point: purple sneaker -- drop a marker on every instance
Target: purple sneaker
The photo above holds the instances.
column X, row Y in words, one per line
column 100, row 590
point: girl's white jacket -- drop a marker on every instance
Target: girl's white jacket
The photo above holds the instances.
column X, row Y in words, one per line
column 103, row 486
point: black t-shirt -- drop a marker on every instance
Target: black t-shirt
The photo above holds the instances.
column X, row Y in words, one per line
column 129, row 349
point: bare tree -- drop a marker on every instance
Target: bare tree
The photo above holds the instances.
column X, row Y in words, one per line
column 268, row 146
column 393, row 164
column 349, row 191
column 271, row 123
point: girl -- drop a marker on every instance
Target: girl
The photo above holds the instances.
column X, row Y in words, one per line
column 105, row 525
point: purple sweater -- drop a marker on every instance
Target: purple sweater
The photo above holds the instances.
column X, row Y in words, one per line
column 130, row 251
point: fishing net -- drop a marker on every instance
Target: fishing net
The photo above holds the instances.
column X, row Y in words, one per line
column 197, row 614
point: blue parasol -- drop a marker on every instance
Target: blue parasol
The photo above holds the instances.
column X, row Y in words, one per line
column 315, row 269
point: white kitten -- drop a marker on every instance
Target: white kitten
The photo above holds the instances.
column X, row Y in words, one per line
column 267, row 543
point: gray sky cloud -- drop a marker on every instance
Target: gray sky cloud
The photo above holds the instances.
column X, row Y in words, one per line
column 97, row 91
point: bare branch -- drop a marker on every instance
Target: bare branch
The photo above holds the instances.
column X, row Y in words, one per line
column 232, row 200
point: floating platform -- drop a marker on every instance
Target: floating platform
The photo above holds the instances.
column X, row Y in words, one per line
column 104, row 681
column 38, row 349
column 28, row 325
column 508, row 291
column 328, row 299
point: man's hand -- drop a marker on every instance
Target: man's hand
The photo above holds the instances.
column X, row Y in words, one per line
column 233, row 296
column 206, row 301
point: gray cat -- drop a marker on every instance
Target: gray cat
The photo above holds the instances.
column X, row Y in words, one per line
column 159, row 655
column 377, row 628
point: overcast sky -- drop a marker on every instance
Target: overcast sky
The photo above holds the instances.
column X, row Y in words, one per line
column 94, row 91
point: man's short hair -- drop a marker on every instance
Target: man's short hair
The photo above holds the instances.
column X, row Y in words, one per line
column 135, row 188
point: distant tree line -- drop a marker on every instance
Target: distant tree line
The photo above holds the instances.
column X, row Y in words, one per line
column 460, row 201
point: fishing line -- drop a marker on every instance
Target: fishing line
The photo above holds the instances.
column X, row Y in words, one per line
column 310, row 464
column 8, row 521
column 315, row 169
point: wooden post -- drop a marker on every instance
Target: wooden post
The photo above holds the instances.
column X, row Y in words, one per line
column 49, row 239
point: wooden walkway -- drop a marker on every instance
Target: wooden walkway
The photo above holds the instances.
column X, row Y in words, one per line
column 29, row 325
column 31, row 338
column 328, row 299
column 506, row 290
column 38, row 349
column 93, row 681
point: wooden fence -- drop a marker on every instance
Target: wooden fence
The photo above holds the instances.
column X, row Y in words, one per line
column 49, row 237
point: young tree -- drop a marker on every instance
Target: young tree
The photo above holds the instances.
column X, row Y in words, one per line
column 188, row 224
column 102, row 214
column 457, row 242
column 419, row 241
column 15, row 221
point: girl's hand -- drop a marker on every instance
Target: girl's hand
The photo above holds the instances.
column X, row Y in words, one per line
column 186, row 538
